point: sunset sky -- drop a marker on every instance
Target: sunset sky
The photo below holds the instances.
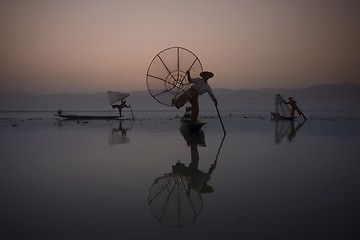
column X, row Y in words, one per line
column 92, row 46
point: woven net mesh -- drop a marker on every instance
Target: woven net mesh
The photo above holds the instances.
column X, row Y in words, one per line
column 166, row 76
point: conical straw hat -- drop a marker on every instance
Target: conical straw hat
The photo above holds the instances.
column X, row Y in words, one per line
column 206, row 74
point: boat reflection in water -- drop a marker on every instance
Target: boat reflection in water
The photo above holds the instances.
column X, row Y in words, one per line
column 119, row 135
column 175, row 199
column 286, row 128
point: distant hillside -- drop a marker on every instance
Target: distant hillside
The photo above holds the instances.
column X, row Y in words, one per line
column 330, row 95
column 327, row 96
column 28, row 101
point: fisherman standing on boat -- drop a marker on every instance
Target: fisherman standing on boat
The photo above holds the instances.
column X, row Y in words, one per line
column 121, row 106
column 199, row 87
column 294, row 107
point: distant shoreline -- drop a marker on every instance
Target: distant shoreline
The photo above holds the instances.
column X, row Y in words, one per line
column 328, row 96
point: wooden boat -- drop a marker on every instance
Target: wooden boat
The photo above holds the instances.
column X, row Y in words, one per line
column 187, row 123
column 113, row 97
column 192, row 126
column 277, row 116
column 86, row 117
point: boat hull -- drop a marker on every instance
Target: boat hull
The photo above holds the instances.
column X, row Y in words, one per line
column 81, row 117
column 187, row 123
column 277, row 116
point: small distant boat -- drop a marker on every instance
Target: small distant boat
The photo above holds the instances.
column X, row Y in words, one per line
column 282, row 110
column 277, row 116
column 85, row 117
column 187, row 123
column 113, row 98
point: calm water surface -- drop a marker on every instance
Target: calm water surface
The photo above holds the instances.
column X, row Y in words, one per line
column 151, row 179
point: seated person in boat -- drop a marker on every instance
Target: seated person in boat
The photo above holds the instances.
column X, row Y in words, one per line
column 199, row 87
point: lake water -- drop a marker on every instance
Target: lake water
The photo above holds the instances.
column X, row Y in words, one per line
column 151, row 179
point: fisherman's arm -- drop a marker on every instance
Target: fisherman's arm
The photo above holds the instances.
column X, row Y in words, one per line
column 189, row 77
column 214, row 99
column 209, row 90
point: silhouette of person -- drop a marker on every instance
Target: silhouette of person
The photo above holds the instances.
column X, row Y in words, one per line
column 294, row 108
column 199, row 87
column 198, row 178
column 121, row 106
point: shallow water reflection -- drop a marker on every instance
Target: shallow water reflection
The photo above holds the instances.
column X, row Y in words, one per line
column 119, row 135
column 286, row 129
column 175, row 199
column 65, row 181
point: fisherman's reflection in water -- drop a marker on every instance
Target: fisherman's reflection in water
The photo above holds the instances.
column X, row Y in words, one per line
column 198, row 179
column 294, row 130
column 286, row 128
column 119, row 135
column 175, row 199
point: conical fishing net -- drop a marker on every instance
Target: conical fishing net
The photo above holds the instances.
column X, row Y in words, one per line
column 116, row 96
column 166, row 76
column 281, row 107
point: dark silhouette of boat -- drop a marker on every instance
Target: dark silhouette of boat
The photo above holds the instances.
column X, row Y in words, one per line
column 187, row 123
column 85, row 117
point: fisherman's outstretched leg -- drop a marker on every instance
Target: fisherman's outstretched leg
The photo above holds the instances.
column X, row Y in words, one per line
column 118, row 107
column 180, row 101
column 183, row 98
